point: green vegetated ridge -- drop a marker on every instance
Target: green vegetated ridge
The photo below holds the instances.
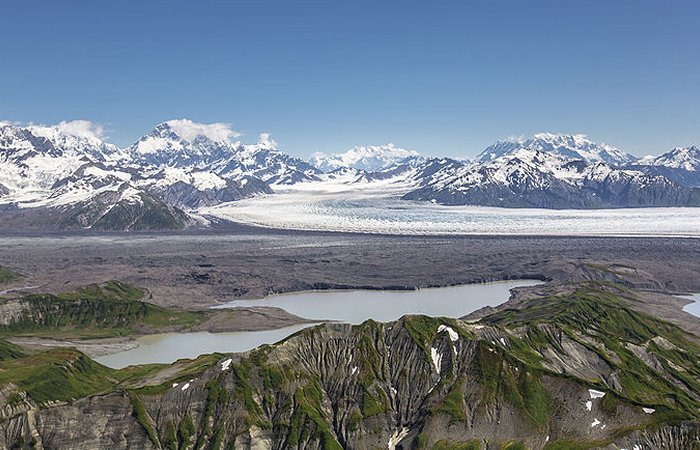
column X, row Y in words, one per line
column 98, row 310
column 598, row 317
column 64, row 375
column 94, row 311
column 299, row 392
column 336, row 386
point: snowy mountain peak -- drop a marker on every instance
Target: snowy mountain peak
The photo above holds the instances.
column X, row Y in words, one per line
column 78, row 137
column 570, row 146
column 182, row 142
column 71, row 138
column 370, row 158
column 685, row 158
column 265, row 143
column 191, row 131
column 83, row 130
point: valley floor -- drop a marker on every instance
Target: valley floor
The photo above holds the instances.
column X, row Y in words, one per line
column 199, row 270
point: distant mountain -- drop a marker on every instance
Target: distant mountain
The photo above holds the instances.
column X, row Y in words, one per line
column 685, row 158
column 570, row 146
column 76, row 137
column 682, row 165
column 543, row 179
column 52, row 178
column 65, row 176
column 184, row 144
column 373, row 158
column 191, row 189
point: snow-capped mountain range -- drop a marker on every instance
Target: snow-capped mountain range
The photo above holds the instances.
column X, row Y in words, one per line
column 575, row 146
column 539, row 179
column 66, row 176
column 371, row 158
column 56, row 176
column 685, row 158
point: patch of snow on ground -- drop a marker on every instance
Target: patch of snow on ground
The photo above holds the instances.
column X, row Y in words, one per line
column 453, row 334
column 187, row 385
column 589, row 405
column 596, row 394
column 649, row 410
column 396, row 438
column 354, row 370
column 437, row 359
column 225, row 364
column 595, row 423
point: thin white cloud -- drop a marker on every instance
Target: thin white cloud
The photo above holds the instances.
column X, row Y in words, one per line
column 267, row 141
column 516, row 138
column 189, row 130
column 82, row 128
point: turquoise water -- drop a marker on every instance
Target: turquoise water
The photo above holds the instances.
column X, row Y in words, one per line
column 345, row 306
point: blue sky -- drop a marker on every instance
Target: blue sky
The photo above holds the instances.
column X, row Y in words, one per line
column 442, row 77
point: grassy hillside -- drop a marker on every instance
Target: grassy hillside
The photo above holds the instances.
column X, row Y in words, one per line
column 512, row 378
column 655, row 361
column 66, row 374
column 10, row 351
column 332, row 386
column 99, row 310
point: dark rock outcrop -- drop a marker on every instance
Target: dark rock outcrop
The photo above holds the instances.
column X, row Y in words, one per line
column 580, row 369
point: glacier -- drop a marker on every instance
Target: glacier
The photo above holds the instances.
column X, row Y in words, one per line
column 377, row 208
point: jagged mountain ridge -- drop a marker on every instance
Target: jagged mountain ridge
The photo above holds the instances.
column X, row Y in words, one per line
column 49, row 175
column 685, row 158
column 545, row 171
column 46, row 172
column 164, row 147
column 578, row 369
column 682, row 165
column 575, row 146
column 539, row 179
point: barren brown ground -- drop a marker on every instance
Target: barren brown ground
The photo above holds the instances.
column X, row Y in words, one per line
column 199, row 270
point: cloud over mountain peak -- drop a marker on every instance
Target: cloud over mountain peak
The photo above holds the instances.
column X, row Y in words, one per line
column 189, row 130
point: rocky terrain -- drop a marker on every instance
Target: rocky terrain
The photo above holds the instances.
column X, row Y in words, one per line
column 582, row 368
column 599, row 357
column 560, row 172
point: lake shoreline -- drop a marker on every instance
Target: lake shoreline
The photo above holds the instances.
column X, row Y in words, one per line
column 398, row 303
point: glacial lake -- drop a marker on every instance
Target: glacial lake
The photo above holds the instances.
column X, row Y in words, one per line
column 693, row 308
column 354, row 306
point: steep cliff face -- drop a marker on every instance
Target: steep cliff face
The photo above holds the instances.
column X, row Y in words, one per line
column 579, row 370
